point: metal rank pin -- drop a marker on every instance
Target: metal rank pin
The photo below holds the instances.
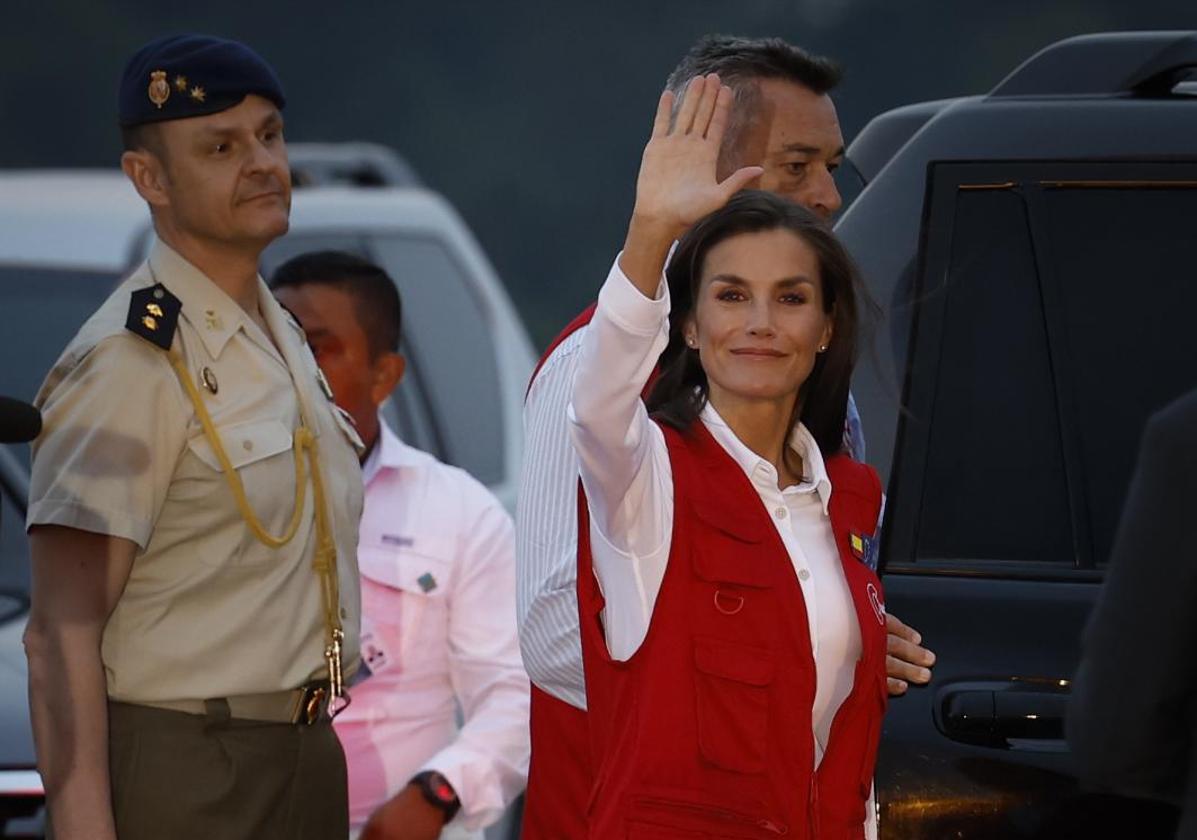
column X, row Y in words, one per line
column 152, row 313
column 208, row 378
column 324, row 386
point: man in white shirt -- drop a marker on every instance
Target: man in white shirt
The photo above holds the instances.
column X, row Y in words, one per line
column 437, row 564
column 784, row 120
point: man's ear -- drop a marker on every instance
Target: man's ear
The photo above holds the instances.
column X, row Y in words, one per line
column 148, row 175
column 388, row 371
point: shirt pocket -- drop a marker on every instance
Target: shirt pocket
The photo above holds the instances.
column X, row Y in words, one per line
column 261, row 454
column 416, row 623
column 732, row 689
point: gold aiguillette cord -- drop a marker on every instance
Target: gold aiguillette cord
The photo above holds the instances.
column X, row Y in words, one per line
column 325, row 558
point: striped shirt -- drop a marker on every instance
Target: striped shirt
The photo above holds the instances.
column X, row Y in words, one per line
column 547, row 532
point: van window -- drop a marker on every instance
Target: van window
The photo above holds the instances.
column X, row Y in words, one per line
column 14, row 557
column 1124, row 258
column 450, row 340
column 449, row 401
column 406, row 411
column 994, row 486
column 1054, row 317
column 43, row 309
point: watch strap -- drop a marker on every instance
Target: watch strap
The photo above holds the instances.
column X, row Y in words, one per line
column 439, row 793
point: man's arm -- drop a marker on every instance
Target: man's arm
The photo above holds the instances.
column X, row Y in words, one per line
column 77, row 578
column 487, row 764
column 1130, row 714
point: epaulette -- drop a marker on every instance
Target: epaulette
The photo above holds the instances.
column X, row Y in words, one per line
column 154, row 315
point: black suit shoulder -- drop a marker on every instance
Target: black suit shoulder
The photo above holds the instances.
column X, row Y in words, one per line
column 1175, row 426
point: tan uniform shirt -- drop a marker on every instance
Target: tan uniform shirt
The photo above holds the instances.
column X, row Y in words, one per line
column 208, row 611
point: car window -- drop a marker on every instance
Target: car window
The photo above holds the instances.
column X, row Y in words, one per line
column 1124, row 258
column 406, row 411
column 43, row 309
column 1054, row 316
column 994, row 484
column 450, row 342
column 14, row 557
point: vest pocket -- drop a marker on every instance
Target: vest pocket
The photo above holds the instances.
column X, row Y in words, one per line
column 660, row 818
column 732, row 689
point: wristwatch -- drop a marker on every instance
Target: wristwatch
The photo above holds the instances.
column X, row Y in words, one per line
column 438, row 792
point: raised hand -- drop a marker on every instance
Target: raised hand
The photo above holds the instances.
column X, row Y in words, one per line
column 678, row 182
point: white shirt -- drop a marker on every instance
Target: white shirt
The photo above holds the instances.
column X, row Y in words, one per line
column 437, row 560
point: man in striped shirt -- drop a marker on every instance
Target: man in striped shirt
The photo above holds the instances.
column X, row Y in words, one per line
column 782, row 119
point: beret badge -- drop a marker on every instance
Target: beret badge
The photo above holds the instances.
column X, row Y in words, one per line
column 159, row 90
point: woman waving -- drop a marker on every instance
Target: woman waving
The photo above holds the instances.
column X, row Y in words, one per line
column 734, row 642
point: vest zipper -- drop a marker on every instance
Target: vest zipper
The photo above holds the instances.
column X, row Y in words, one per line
column 762, row 823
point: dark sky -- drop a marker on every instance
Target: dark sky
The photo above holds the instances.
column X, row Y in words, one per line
column 530, row 117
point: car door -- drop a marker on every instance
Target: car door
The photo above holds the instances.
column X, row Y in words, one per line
column 1052, row 313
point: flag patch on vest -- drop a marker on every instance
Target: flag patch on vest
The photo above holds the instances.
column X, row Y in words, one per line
column 864, row 549
column 858, row 546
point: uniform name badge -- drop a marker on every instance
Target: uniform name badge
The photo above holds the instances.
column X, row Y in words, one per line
column 374, row 655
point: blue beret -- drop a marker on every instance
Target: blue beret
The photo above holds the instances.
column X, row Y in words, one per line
column 191, row 75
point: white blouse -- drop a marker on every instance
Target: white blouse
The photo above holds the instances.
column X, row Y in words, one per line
column 627, row 476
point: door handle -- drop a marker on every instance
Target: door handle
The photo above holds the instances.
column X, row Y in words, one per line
column 1004, row 714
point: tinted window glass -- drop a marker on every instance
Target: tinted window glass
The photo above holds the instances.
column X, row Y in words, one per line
column 406, row 411
column 994, row 487
column 43, row 309
column 14, row 555
column 1125, row 261
column 450, row 341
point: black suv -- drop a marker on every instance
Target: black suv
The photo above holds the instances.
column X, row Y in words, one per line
column 1035, row 253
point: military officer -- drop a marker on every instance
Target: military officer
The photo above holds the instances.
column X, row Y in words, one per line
column 195, row 500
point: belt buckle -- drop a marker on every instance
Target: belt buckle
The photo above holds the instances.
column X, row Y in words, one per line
column 312, row 703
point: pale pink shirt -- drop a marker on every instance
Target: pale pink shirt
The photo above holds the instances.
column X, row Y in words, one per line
column 437, row 562
column 628, row 479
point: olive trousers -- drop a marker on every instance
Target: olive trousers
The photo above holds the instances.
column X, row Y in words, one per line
column 182, row 776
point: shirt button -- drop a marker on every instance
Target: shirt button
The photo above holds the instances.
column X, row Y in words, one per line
column 804, row 574
column 780, row 513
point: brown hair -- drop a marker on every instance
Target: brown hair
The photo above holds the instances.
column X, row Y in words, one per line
column 681, row 389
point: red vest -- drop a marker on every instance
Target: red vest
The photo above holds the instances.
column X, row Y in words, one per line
column 559, row 772
column 706, row 730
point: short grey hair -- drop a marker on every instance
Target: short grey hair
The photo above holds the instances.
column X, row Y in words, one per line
column 740, row 63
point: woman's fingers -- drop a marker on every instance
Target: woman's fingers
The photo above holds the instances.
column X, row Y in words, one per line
column 706, row 105
column 719, row 115
column 685, row 117
column 664, row 112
